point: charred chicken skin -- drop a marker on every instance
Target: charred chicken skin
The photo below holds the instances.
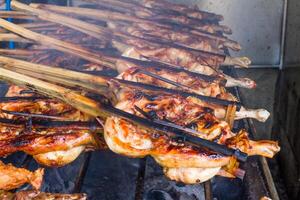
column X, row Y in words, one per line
column 212, row 89
column 201, row 69
column 38, row 105
column 197, row 85
column 49, row 146
column 199, row 64
column 43, row 106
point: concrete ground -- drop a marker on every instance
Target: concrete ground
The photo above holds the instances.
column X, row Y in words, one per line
column 261, row 97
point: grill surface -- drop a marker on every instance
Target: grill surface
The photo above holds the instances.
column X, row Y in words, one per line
column 108, row 176
column 105, row 175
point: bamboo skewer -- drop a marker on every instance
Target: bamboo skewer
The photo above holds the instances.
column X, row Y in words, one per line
column 85, row 26
column 16, row 15
column 19, row 52
column 100, row 85
column 6, row 37
column 78, row 76
column 66, row 21
column 56, row 44
column 37, row 24
column 32, row 115
column 88, row 81
column 74, row 99
column 230, row 115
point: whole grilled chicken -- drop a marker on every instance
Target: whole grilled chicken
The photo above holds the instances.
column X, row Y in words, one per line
column 181, row 162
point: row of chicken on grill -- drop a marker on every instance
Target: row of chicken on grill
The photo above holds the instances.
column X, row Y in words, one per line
column 145, row 48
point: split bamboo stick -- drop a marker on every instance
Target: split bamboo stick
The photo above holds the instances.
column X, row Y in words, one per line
column 114, row 16
column 17, row 15
column 6, row 37
column 61, row 19
column 19, row 52
column 111, row 15
column 69, row 77
column 57, row 44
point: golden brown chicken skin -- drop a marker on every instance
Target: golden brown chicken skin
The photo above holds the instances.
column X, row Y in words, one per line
column 12, row 177
column 181, row 111
column 41, row 106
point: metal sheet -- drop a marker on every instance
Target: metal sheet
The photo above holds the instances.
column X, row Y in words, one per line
column 292, row 43
column 256, row 24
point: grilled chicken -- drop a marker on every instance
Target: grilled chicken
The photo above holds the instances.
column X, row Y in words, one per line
column 38, row 105
column 173, row 56
column 55, row 146
column 41, row 106
column 38, row 195
column 201, row 69
column 179, row 160
column 51, row 146
column 12, row 177
column 149, row 30
column 192, row 84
